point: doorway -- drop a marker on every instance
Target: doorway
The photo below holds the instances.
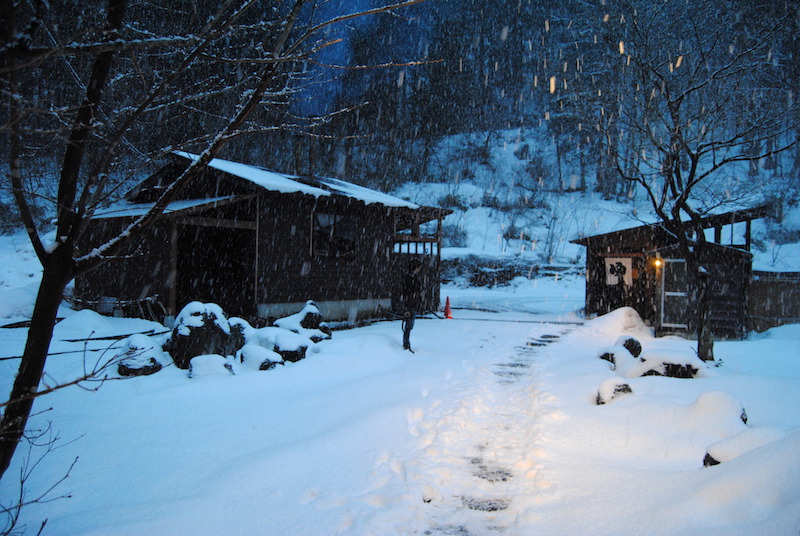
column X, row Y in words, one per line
column 217, row 265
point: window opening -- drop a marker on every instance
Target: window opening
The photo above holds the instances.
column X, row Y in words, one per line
column 333, row 235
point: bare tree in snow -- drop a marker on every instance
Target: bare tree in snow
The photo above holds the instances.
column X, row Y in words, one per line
column 118, row 83
column 699, row 103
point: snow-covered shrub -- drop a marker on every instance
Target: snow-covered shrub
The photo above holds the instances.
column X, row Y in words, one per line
column 209, row 366
column 308, row 323
column 200, row 329
column 255, row 357
column 610, row 389
column 143, row 356
column 744, row 441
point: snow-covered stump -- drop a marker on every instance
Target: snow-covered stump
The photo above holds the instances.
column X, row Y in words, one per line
column 201, row 329
column 143, row 356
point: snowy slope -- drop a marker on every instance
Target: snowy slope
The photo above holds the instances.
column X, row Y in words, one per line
column 492, row 209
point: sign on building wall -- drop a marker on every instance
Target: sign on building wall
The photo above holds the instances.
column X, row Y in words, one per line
column 619, row 269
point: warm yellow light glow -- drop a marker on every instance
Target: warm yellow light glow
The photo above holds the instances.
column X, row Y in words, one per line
column 658, row 263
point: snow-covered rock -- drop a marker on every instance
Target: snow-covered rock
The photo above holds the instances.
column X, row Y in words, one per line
column 616, row 355
column 631, row 344
column 197, row 314
column 143, row 356
column 200, row 329
column 664, row 362
column 289, row 345
column 611, row 389
column 308, row 323
column 255, row 357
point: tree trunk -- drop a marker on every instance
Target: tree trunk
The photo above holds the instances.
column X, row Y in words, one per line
column 57, row 273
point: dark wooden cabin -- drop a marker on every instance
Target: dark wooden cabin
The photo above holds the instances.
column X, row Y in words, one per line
column 260, row 244
column 643, row 268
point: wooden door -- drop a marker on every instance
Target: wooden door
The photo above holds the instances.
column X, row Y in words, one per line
column 674, row 294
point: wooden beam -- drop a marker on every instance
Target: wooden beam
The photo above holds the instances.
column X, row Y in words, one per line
column 406, row 238
column 219, row 223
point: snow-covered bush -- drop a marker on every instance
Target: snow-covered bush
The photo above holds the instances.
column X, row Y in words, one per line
column 143, row 356
column 746, row 440
column 201, row 329
column 308, row 323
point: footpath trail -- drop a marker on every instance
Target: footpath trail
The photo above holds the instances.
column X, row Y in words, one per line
column 476, row 467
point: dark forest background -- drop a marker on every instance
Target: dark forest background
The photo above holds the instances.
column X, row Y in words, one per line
column 374, row 107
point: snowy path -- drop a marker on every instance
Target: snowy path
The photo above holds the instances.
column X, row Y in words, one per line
column 475, row 467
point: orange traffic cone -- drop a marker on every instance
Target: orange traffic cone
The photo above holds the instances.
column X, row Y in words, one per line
column 447, row 312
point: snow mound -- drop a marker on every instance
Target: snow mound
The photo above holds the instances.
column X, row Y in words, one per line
column 789, row 332
column 82, row 325
column 752, row 488
column 18, row 302
column 623, row 320
column 209, row 366
column 719, row 413
column 745, row 441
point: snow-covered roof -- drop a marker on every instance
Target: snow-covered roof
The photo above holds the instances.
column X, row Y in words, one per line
column 128, row 210
column 708, row 221
column 279, row 182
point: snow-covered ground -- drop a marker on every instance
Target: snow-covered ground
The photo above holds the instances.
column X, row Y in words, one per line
column 491, row 427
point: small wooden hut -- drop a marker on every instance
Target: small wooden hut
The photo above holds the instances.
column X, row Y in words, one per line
column 260, row 244
column 643, row 268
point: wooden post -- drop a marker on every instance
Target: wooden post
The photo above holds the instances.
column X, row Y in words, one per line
column 255, row 262
column 172, row 306
column 747, row 236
